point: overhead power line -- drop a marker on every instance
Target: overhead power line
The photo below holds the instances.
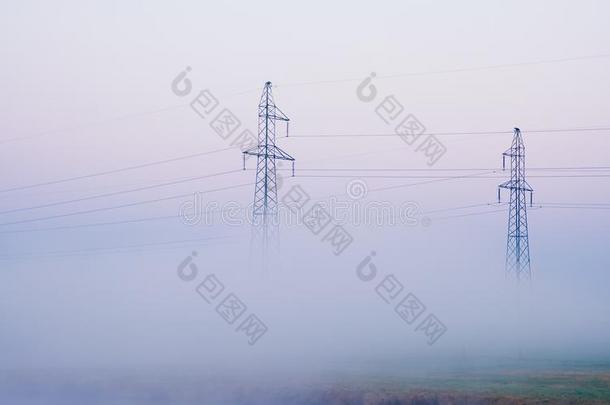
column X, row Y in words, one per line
column 463, row 207
column 90, row 211
column 315, row 82
column 468, row 214
column 453, row 70
column 455, row 133
column 435, row 169
column 116, row 249
column 114, row 171
column 93, row 124
column 92, row 225
column 115, row 193
column 122, row 222
column 367, row 176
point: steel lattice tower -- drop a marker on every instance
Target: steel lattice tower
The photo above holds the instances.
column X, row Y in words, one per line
column 517, row 244
column 265, row 209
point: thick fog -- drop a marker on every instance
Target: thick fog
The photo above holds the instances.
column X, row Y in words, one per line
column 98, row 270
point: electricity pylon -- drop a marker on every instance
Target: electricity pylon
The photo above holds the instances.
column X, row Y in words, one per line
column 265, row 232
column 517, row 244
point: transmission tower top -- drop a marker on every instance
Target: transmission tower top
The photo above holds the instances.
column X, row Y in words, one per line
column 517, row 154
column 268, row 114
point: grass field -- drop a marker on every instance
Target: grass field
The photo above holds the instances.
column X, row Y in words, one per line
column 586, row 384
column 507, row 387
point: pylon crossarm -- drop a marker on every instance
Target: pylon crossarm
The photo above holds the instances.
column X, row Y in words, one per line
column 281, row 116
column 509, row 153
column 274, row 117
column 281, row 154
column 510, row 185
column 277, row 115
column 273, row 152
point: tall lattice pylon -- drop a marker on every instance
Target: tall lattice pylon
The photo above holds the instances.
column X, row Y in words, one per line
column 517, row 244
column 265, row 209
